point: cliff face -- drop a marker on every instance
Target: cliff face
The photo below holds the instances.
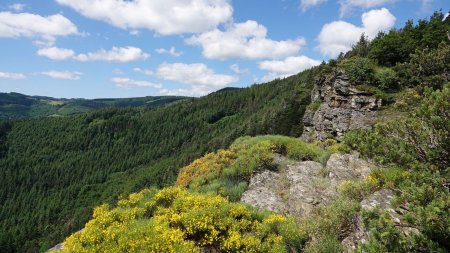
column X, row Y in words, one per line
column 342, row 107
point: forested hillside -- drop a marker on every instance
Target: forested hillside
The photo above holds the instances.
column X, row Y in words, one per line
column 55, row 170
column 18, row 106
column 401, row 205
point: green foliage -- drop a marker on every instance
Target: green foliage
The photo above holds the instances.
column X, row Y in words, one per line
column 360, row 70
column 329, row 244
column 428, row 67
column 175, row 220
column 387, row 79
column 418, row 146
column 384, row 236
column 422, row 137
column 326, row 225
column 396, row 46
column 361, row 48
column 227, row 172
column 55, row 170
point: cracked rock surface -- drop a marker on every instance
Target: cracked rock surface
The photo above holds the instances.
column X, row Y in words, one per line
column 343, row 107
column 303, row 186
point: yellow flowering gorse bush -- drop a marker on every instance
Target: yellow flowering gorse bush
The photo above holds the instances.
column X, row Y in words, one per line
column 176, row 220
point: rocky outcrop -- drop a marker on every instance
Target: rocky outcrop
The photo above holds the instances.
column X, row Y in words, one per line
column 343, row 107
column 303, row 186
column 263, row 192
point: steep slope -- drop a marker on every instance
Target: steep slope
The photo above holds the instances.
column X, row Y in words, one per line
column 78, row 162
column 15, row 106
column 346, row 205
column 55, row 170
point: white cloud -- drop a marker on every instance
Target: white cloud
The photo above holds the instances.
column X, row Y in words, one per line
column 339, row 36
column 14, row 25
column 236, row 69
column 147, row 72
column 116, row 54
column 134, row 32
column 165, row 17
column 11, row 75
column 306, row 4
column 128, row 83
column 349, row 5
column 17, row 7
column 118, row 72
column 202, row 80
column 244, row 40
column 67, row 75
column 55, row 53
column 287, row 67
column 172, row 51
column 194, row 74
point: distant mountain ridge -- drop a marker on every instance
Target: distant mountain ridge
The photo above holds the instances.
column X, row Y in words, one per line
column 15, row 106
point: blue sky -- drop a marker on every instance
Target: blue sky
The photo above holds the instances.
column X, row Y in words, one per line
column 117, row 48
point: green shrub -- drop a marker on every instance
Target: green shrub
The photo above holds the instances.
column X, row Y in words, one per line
column 360, row 70
column 329, row 221
column 387, row 79
column 384, row 236
column 328, row 244
column 427, row 68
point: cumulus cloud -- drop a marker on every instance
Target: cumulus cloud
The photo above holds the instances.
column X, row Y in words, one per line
column 339, row 36
column 14, row 25
column 147, row 72
column 172, row 51
column 116, row 54
column 11, row 75
column 287, row 67
column 236, row 69
column 16, row 7
column 165, row 17
column 202, row 80
column 55, row 53
column 67, row 75
column 306, row 4
column 129, row 83
column 244, row 40
column 348, row 5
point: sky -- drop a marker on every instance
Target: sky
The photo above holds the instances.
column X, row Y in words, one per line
column 135, row 48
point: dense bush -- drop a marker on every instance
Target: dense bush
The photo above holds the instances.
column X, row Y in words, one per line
column 385, row 236
column 396, row 46
column 360, row 70
column 175, row 220
column 387, row 79
column 427, row 67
